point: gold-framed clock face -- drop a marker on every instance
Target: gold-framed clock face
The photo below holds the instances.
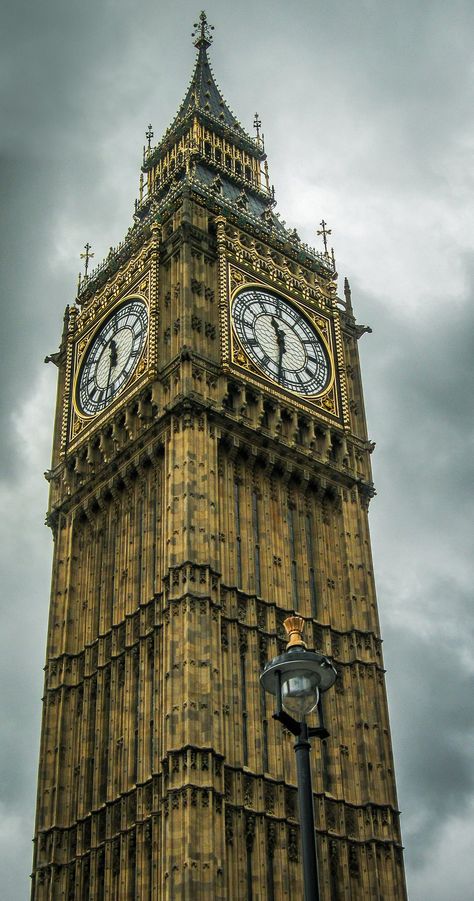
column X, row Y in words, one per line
column 281, row 341
column 112, row 356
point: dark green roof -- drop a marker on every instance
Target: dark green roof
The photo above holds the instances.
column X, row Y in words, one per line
column 249, row 201
column 204, row 94
column 204, row 97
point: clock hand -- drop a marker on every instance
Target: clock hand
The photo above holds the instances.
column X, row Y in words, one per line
column 112, row 363
column 280, row 359
column 280, row 339
column 275, row 327
column 113, row 352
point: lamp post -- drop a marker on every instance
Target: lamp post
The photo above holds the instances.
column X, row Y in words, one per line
column 297, row 678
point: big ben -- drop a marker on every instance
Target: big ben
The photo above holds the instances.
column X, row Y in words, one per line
column 210, row 477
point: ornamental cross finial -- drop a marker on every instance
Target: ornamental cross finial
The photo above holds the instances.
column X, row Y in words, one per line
column 86, row 257
column 149, row 135
column 203, row 32
column 257, row 124
column 324, row 232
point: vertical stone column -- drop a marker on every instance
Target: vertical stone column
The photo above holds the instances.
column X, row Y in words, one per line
column 192, row 672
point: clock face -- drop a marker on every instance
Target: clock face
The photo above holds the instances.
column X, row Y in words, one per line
column 112, row 356
column 281, row 341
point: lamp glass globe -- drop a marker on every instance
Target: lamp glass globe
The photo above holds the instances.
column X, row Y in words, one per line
column 299, row 694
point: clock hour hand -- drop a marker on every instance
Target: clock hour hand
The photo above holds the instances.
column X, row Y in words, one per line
column 112, row 363
column 113, row 353
column 280, row 339
column 281, row 351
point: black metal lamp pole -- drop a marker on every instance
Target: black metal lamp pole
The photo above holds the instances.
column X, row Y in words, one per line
column 296, row 678
column 305, row 801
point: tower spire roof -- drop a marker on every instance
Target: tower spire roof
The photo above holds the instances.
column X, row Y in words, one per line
column 203, row 93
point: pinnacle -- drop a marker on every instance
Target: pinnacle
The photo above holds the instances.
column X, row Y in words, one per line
column 203, row 32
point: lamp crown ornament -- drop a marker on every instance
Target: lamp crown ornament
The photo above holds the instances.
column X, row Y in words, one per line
column 294, row 626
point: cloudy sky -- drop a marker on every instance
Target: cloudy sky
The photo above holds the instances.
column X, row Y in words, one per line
column 367, row 111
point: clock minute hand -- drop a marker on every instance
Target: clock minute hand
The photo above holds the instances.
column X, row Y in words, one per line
column 275, row 327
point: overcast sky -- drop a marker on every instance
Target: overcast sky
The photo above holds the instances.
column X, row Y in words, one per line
column 367, row 111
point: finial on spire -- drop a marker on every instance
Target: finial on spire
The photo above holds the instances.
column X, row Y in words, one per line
column 324, row 232
column 86, row 257
column 203, row 32
column 267, row 176
column 149, row 135
column 257, row 124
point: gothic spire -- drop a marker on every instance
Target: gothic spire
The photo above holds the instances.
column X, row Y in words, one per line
column 203, row 94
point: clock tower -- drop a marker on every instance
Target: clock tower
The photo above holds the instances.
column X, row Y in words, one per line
column 210, row 476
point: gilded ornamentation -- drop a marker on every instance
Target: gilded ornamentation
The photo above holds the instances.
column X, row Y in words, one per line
column 241, row 359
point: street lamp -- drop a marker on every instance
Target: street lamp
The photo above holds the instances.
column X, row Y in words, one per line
column 297, row 678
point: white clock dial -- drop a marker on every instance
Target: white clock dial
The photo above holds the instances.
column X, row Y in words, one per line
column 281, row 341
column 112, row 356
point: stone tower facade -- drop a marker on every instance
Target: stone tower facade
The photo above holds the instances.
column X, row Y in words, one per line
column 210, row 475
